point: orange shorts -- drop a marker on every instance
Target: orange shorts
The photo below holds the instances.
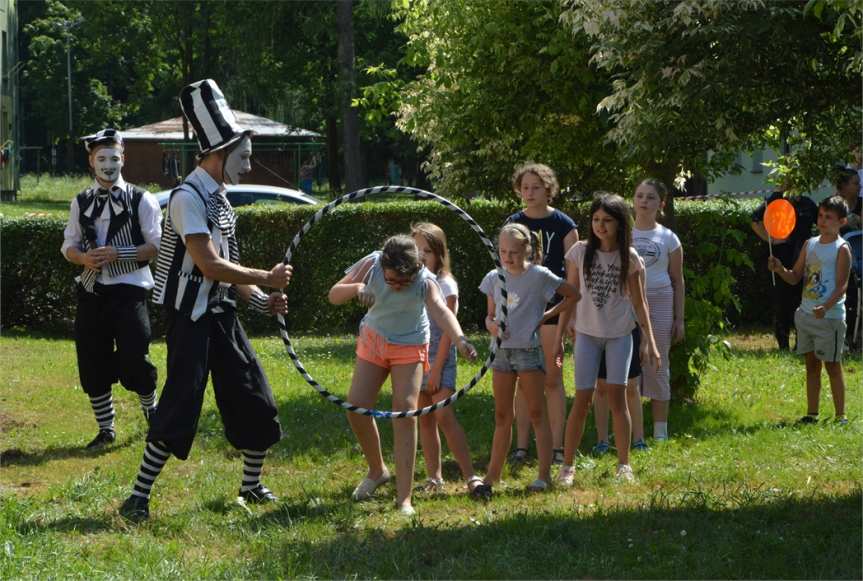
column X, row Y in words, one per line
column 374, row 348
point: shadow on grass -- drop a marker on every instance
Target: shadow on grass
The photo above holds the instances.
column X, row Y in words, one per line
column 789, row 538
column 18, row 457
column 312, row 425
column 67, row 524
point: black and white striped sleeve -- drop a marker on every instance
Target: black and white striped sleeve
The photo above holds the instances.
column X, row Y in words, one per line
column 260, row 302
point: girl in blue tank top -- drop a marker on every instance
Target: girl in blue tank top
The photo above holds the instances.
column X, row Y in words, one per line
column 393, row 340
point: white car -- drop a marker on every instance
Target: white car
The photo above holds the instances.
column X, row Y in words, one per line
column 245, row 194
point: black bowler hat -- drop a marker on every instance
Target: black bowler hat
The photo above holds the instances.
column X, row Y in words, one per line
column 105, row 137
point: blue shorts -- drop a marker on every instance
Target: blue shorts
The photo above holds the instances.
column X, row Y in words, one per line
column 515, row 359
column 449, row 372
column 634, row 364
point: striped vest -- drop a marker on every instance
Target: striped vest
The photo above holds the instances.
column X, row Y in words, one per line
column 124, row 229
column 179, row 283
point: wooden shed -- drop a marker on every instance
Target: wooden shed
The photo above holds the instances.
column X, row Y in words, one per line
column 154, row 152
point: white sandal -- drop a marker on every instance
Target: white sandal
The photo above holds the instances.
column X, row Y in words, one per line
column 366, row 489
column 566, row 476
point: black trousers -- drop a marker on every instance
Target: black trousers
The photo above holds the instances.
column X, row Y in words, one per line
column 786, row 299
column 217, row 344
column 112, row 340
column 851, row 313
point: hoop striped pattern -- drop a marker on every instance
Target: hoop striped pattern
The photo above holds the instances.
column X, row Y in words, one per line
column 422, row 195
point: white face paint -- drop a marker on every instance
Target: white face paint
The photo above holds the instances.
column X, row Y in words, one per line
column 107, row 162
column 238, row 161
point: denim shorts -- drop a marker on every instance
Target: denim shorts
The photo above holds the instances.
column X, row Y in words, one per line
column 515, row 359
column 449, row 373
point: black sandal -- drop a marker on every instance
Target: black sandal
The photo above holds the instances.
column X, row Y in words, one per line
column 482, row 492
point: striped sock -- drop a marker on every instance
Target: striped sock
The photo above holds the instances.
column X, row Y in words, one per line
column 155, row 456
column 148, row 402
column 253, row 463
column 103, row 407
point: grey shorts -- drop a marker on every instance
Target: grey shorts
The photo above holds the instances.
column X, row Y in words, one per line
column 515, row 359
column 449, row 372
column 826, row 337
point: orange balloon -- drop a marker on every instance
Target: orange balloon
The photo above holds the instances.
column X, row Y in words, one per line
column 780, row 219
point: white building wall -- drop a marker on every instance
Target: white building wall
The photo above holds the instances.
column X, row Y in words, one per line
column 753, row 177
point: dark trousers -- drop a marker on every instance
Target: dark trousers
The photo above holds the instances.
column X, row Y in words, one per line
column 786, row 299
column 217, row 344
column 112, row 340
column 851, row 313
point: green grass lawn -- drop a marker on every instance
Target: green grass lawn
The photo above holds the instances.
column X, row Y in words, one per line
column 47, row 195
column 739, row 492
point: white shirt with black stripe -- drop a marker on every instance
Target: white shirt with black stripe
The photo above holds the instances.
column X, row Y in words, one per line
column 150, row 218
column 189, row 214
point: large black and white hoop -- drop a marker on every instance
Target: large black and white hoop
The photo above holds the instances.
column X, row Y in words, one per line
column 419, row 194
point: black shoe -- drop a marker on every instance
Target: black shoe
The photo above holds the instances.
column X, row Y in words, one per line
column 258, row 495
column 518, row 456
column 557, row 456
column 808, row 419
column 135, row 509
column 103, row 438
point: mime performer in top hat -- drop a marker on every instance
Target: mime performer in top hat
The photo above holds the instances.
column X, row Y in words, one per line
column 199, row 278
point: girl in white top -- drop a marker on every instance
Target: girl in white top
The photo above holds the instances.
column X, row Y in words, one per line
column 440, row 382
column 607, row 270
column 662, row 253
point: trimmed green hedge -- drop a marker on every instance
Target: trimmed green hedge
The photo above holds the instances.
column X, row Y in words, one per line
column 38, row 288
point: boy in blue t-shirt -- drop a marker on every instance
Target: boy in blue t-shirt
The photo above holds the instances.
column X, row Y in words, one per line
column 824, row 265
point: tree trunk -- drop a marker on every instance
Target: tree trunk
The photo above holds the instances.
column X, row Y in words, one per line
column 334, row 176
column 354, row 178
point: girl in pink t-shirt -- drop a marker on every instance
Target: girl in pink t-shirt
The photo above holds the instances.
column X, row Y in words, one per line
column 606, row 270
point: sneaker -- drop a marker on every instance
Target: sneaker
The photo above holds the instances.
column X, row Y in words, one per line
column 135, row 509
column 566, row 476
column 808, row 419
column 538, row 485
column 640, row 445
column 624, row 473
column 519, row 456
column 102, row 439
column 557, row 456
column 600, row 448
column 366, row 489
column 842, row 421
column 260, row 494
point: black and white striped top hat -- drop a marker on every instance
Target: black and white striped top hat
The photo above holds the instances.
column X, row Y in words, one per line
column 107, row 136
column 205, row 107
